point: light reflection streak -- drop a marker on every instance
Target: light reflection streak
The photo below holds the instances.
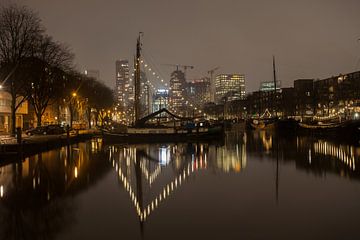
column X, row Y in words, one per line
column 164, row 193
column 232, row 159
column 339, row 152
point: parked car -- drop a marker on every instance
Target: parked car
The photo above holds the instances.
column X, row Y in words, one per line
column 36, row 131
column 45, row 130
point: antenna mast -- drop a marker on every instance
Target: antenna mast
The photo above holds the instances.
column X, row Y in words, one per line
column 275, row 90
column 137, row 79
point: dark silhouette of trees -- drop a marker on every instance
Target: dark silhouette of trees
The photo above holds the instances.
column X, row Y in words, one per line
column 98, row 97
column 36, row 68
column 46, row 74
column 20, row 29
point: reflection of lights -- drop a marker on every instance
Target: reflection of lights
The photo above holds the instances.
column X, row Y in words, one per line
column 330, row 149
column 124, row 158
column 76, row 172
column 266, row 142
column 165, row 192
column 1, row 191
column 164, row 156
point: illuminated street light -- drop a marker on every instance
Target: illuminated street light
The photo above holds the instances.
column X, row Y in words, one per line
column 74, row 94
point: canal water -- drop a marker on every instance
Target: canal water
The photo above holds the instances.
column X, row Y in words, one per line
column 253, row 185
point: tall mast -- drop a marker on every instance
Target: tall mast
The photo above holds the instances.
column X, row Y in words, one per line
column 275, row 91
column 137, row 79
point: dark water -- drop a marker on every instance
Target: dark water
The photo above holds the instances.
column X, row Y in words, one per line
column 252, row 186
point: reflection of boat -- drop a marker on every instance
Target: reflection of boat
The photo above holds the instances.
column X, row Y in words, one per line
column 347, row 129
column 263, row 123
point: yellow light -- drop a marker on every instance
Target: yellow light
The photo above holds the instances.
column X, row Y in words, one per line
column 74, row 94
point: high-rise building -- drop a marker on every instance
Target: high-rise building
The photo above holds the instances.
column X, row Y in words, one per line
column 122, row 83
column 160, row 99
column 93, row 74
column 198, row 91
column 144, row 94
column 231, row 86
column 177, row 91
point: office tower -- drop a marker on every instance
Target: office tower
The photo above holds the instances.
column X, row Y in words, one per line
column 229, row 86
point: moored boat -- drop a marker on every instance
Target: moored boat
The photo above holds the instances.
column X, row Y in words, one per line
column 165, row 134
column 349, row 129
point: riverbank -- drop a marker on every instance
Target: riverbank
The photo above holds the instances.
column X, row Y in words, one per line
column 10, row 149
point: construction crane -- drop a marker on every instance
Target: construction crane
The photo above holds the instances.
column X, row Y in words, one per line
column 212, row 84
column 185, row 67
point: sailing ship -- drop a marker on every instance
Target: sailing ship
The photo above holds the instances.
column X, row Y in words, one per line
column 181, row 128
column 266, row 121
column 348, row 129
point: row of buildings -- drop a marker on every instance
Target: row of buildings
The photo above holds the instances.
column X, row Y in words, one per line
column 307, row 98
column 332, row 97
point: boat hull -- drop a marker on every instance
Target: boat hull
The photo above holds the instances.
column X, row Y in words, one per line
column 157, row 136
column 346, row 130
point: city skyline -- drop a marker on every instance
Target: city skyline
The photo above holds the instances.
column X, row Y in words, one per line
column 309, row 39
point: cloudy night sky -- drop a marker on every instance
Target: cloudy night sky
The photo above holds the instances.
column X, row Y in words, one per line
column 309, row 38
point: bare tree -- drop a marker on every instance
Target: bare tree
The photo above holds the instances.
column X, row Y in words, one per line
column 47, row 74
column 20, row 29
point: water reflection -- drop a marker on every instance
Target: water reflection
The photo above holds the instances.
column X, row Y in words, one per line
column 39, row 195
column 139, row 168
column 315, row 155
column 36, row 193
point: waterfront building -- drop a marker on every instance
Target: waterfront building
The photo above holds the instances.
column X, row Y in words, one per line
column 5, row 112
column 286, row 102
column 304, row 97
column 232, row 85
column 338, row 95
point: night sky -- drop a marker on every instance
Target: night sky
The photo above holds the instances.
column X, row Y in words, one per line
column 309, row 38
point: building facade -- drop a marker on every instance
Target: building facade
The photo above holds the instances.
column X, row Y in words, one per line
column 160, row 100
column 229, row 85
column 5, row 112
column 198, row 91
column 122, row 84
column 338, row 95
column 269, row 86
column 177, row 92
column 144, row 95
column 304, row 97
